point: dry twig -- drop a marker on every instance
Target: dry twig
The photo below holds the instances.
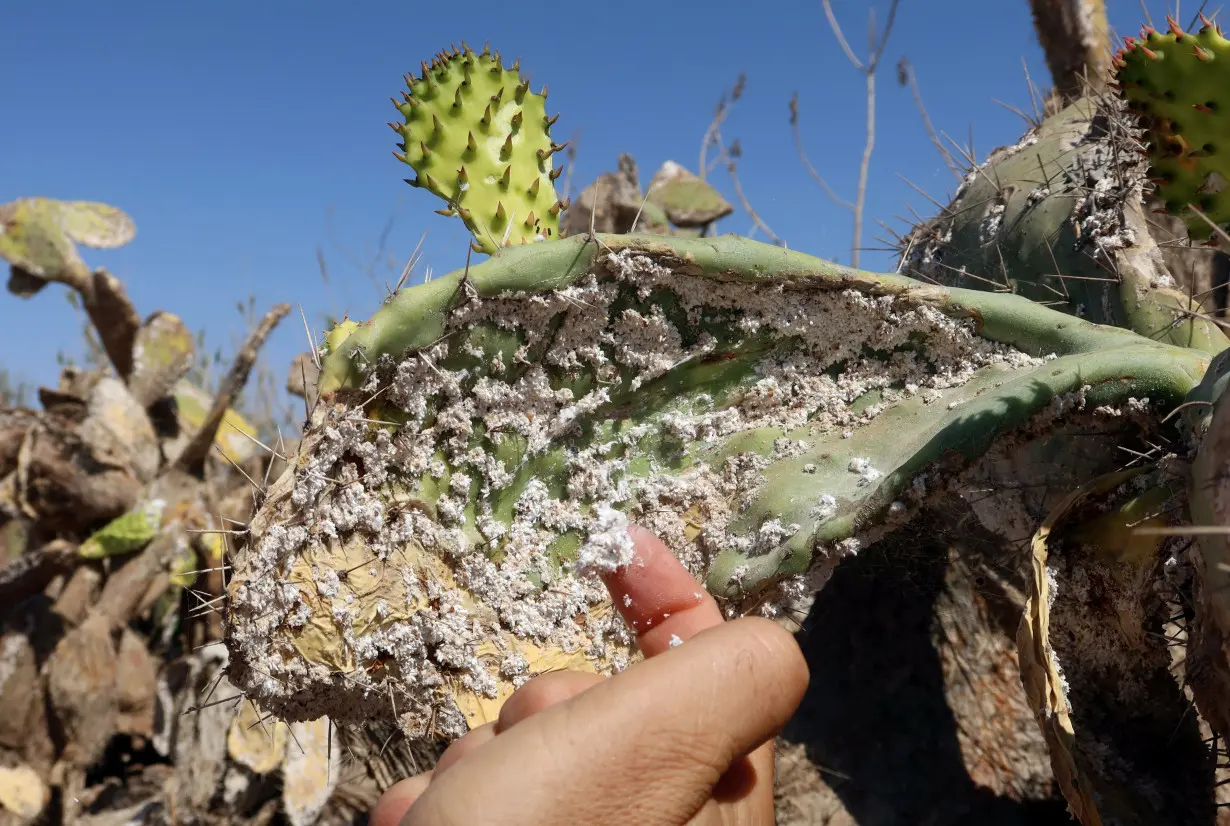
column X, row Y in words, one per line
column 876, row 45
column 727, row 156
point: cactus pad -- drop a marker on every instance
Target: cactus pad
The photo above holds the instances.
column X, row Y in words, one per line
column 37, row 235
column 481, row 140
column 1177, row 82
column 479, row 445
column 126, row 533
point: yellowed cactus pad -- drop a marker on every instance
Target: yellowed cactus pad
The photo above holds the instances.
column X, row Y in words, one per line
column 193, row 404
column 37, row 234
column 254, row 742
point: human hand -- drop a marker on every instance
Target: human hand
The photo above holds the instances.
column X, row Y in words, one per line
column 683, row 737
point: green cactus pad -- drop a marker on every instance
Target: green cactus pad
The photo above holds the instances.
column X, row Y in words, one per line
column 481, row 140
column 1178, row 82
column 1058, row 218
column 127, row 533
column 478, row 446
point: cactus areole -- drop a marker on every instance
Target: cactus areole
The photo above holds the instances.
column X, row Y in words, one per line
column 482, row 441
column 481, row 140
column 1177, row 82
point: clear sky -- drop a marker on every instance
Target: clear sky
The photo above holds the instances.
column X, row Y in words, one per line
column 232, row 130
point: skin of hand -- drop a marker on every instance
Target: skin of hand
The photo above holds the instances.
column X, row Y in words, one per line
column 683, row 737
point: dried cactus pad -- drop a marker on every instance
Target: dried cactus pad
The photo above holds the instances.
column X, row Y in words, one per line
column 1178, row 82
column 481, row 140
column 480, row 444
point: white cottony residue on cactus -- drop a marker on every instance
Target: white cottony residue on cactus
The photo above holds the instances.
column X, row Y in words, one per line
column 863, row 468
column 609, row 545
column 825, row 507
column 526, row 439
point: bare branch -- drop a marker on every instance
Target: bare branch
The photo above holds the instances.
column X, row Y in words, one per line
column 747, row 207
column 906, row 77
column 192, row 458
column 841, row 38
column 876, row 51
column 798, row 145
column 713, row 137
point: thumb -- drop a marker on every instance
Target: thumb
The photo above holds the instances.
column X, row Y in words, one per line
column 647, row 746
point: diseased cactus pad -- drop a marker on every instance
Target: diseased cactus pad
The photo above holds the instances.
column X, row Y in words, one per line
column 481, row 442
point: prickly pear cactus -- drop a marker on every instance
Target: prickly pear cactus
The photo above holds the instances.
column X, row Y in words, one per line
column 37, row 238
column 480, row 443
column 1059, row 218
column 481, row 140
column 1176, row 81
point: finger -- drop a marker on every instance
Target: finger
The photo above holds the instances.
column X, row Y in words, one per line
column 397, row 800
column 541, row 693
column 658, row 598
column 648, row 745
column 536, row 695
column 467, row 743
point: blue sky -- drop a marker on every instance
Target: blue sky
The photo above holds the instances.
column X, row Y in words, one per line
column 242, row 136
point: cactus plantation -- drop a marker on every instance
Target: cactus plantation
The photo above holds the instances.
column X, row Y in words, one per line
column 1030, row 414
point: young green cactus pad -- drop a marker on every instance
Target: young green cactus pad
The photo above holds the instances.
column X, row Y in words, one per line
column 481, row 442
column 481, row 140
column 1177, row 81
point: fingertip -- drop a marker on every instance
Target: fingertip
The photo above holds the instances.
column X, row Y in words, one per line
column 658, row 598
column 541, row 693
column 468, row 743
column 779, row 652
column 396, row 801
